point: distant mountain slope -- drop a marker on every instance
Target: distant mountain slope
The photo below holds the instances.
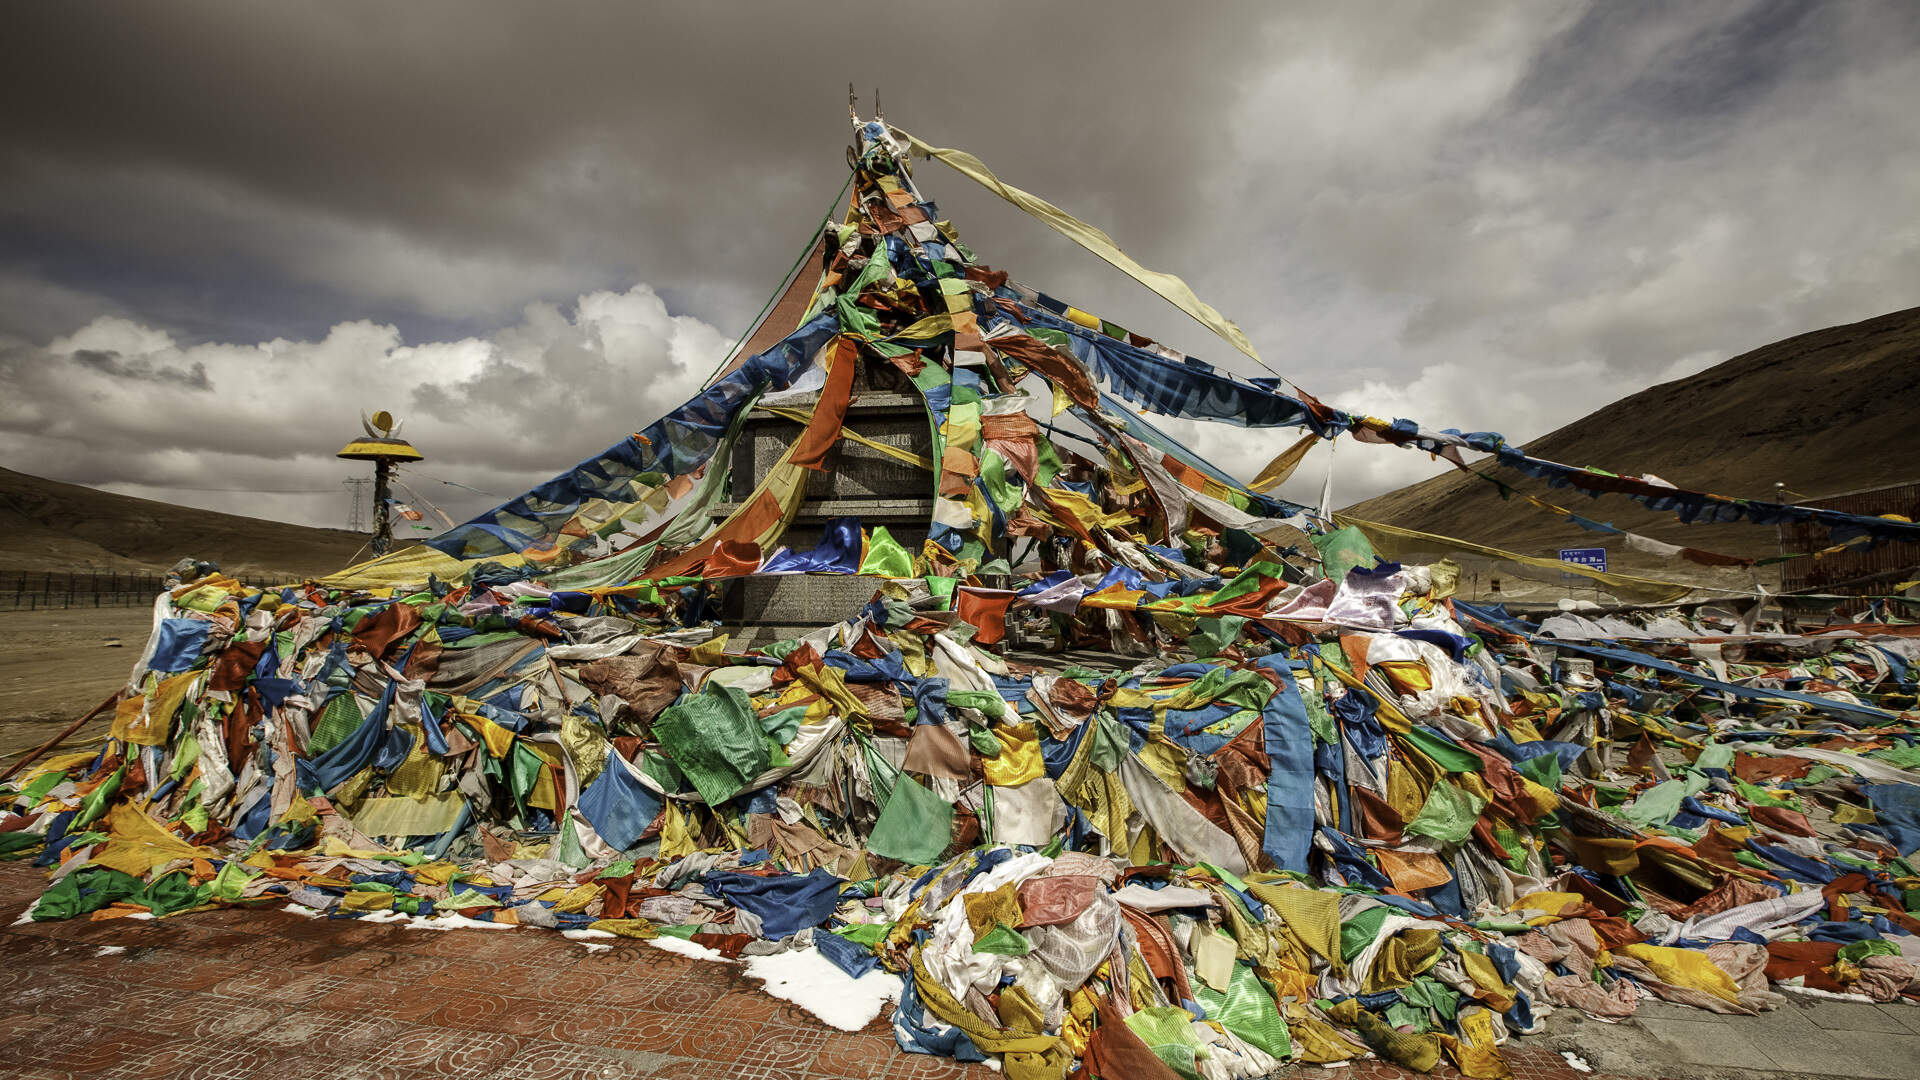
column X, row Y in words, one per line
column 1825, row 412
column 48, row 525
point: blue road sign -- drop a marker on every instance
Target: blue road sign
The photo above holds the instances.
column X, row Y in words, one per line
column 1591, row 558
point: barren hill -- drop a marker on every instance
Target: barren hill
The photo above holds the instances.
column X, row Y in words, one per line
column 49, row 525
column 1825, row 412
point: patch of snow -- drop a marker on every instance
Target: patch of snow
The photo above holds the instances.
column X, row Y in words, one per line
column 385, row 916
column 27, row 915
column 453, row 920
column 1576, row 1062
column 683, row 947
column 111, row 950
column 585, row 937
column 304, row 911
column 1827, row 994
column 808, row 979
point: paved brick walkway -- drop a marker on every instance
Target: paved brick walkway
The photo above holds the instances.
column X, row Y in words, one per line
column 233, row 995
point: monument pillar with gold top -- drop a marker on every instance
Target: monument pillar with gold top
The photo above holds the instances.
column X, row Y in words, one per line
column 383, row 447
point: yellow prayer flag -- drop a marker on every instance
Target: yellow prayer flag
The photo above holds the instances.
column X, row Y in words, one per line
column 1283, row 465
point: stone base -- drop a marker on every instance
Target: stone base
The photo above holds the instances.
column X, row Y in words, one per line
column 805, row 601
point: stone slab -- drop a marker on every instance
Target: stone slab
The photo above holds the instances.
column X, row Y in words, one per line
column 1709, row 1043
column 810, row 600
column 886, row 511
column 1908, row 1015
column 1867, row 1055
column 1858, row 1016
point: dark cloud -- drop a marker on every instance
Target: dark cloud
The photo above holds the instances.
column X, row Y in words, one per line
column 470, row 160
column 1654, row 79
column 531, row 227
column 140, row 369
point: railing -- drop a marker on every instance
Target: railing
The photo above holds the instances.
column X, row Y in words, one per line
column 33, row 590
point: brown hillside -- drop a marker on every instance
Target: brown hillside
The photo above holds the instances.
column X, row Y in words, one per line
column 48, row 525
column 1824, row 412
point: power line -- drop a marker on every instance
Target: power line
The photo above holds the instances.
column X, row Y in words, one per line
column 422, row 498
column 452, row 483
column 235, row 490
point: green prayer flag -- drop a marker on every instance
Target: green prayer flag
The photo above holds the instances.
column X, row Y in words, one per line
column 1235, row 686
column 1407, row 1017
column 868, row 934
column 567, row 849
column 1214, row 636
column 1715, row 756
column 523, row 771
column 1248, row 580
column 463, row 899
column 42, row 784
column 985, row 743
column 1448, row 814
column 1168, row 1032
column 1856, row 951
column 1004, row 942
column 915, row 827
column 1900, row 757
column 87, row 889
column 1452, row 758
column 1359, row 931
column 1543, row 769
column 942, row 587
column 1757, row 795
column 716, row 741
column 232, row 878
column 1343, row 549
column 339, row 718
column 885, row 556
column 13, row 842
column 783, row 725
column 1658, row 804
column 987, row 701
column 96, row 802
column 1108, row 742
column 1247, row 1010
column 173, row 892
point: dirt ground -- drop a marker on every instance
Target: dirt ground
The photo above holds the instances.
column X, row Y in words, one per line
column 55, row 665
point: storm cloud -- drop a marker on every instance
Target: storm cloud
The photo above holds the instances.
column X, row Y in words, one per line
column 226, row 229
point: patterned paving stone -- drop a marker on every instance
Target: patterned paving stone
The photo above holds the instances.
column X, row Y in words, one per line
column 458, row 1055
column 557, row 1061
column 234, row 995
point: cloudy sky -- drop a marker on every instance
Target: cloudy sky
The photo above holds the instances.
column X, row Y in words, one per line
column 530, row 229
